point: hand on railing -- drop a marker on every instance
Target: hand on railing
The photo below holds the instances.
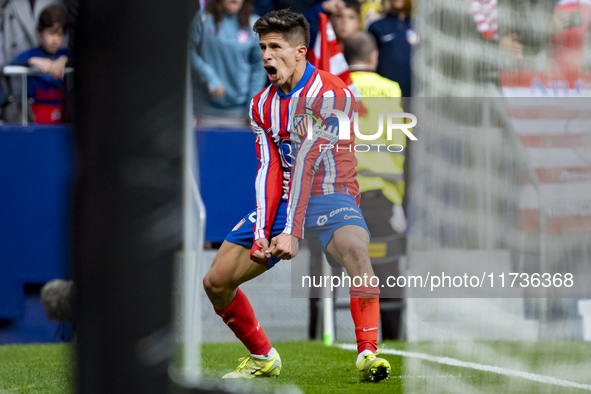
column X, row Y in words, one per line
column 55, row 68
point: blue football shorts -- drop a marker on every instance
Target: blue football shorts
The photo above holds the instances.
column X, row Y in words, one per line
column 325, row 214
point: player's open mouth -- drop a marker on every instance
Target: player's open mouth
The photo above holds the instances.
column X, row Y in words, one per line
column 272, row 73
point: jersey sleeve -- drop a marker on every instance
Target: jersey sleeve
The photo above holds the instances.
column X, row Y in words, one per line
column 325, row 132
column 269, row 179
column 22, row 59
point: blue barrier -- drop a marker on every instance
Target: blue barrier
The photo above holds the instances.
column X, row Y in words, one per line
column 36, row 172
column 227, row 170
column 36, row 178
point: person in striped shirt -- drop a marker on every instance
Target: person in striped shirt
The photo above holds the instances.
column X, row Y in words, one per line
column 305, row 185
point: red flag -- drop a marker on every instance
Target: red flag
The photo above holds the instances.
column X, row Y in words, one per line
column 327, row 55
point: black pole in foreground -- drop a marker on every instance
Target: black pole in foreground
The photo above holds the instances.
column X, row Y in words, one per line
column 130, row 66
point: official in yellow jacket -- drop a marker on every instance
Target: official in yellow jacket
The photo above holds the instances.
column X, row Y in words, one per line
column 380, row 170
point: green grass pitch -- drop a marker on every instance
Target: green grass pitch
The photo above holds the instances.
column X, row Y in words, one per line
column 36, row 369
column 310, row 367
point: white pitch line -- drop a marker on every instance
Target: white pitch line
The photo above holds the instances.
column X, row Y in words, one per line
column 481, row 367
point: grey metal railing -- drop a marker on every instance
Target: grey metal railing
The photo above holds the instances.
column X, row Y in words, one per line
column 24, row 72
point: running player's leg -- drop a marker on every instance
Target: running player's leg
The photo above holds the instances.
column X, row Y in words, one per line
column 349, row 246
column 336, row 220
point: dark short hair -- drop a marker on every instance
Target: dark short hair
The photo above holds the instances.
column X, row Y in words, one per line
column 52, row 15
column 358, row 46
column 292, row 26
column 58, row 298
column 354, row 5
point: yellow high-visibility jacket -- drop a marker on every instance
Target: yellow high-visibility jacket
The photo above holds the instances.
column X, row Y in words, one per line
column 381, row 170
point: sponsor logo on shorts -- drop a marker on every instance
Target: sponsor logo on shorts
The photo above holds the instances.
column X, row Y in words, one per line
column 240, row 223
column 351, row 217
column 344, row 209
column 322, row 220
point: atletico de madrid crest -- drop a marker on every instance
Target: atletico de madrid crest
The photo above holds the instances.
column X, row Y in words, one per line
column 299, row 125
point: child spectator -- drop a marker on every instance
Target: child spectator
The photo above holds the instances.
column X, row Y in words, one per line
column 19, row 24
column 47, row 91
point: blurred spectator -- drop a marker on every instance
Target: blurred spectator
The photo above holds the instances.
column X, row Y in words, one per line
column 227, row 63
column 525, row 29
column 47, row 91
column 19, row 22
column 395, row 38
column 380, row 174
column 346, row 20
column 571, row 24
column 327, row 7
column 545, row 36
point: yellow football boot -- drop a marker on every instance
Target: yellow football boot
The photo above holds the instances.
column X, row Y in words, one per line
column 251, row 367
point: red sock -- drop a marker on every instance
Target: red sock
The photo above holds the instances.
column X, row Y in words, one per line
column 365, row 309
column 239, row 316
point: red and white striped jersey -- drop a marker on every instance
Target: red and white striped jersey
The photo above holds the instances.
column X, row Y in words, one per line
column 292, row 166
